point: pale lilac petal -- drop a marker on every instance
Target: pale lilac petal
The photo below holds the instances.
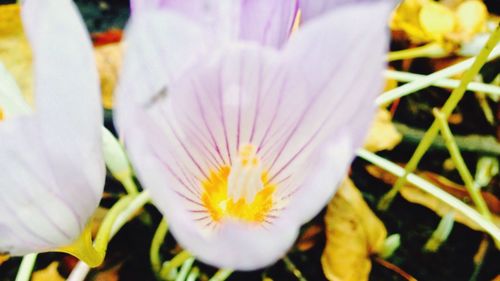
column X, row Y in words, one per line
column 233, row 245
column 67, row 91
column 266, row 22
column 52, row 171
column 39, row 210
column 340, row 76
column 161, row 45
column 315, row 8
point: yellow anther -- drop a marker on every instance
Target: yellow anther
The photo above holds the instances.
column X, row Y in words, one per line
column 241, row 191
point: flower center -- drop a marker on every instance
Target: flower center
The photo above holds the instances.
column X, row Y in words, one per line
column 241, row 191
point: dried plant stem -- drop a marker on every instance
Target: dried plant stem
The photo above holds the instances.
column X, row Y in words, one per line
column 447, row 109
column 395, row 268
column 430, row 188
column 26, row 267
column 456, row 156
column 293, row 269
column 492, row 90
column 158, row 238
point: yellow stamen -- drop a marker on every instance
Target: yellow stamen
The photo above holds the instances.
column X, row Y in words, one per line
column 241, row 191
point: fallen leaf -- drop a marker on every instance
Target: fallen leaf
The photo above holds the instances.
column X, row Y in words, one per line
column 382, row 135
column 436, row 20
column 4, row 258
column 50, row 273
column 418, row 196
column 109, row 275
column 109, row 59
column 15, row 51
column 353, row 234
column 471, row 17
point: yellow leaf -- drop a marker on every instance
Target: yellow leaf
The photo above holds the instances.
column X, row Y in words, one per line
column 109, row 59
column 405, row 17
column 418, row 196
column 472, row 16
column 15, row 51
column 4, row 258
column 50, row 273
column 382, row 135
column 437, row 20
column 353, row 233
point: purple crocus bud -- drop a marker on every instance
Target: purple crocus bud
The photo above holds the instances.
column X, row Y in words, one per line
column 51, row 166
column 240, row 143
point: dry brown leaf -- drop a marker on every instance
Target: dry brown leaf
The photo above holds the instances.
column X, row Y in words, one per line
column 4, row 258
column 50, row 273
column 109, row 59
column 418, row 196
column 109, row 275
column 382, row 135
column 15, row 51
column 353, row 233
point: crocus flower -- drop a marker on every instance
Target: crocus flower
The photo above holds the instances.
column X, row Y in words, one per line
column 240, row 141
column 51, row 166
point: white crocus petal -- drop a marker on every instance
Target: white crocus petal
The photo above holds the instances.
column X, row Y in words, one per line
column 52, row 171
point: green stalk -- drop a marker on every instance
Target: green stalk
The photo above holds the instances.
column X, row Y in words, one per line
column 221, row 275
column 431, row 50
column 26, row 267
column 464, row 172
column 293, row 269
column 441, row 233
column 487, row 53
column 492, row 90
column 158, row 238
column 447, row 109
column 195, row 272
column 185, row 268
column 437, row 192
column 119, row 221
column 174, row 263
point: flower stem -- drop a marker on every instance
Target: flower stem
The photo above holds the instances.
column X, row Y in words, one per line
column 437, row 192
column 441, row 232
column 185, row 268
column 137, row 202
column 158, row 238
column 174, row 263
column 432, row 50
column 221, row 275
column 487, row 53
column 464, row 172
column 293, row 269
column 492, row 90
column 26, row 267
column 193, row 274
column 447, row 109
